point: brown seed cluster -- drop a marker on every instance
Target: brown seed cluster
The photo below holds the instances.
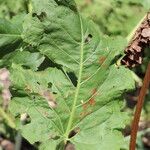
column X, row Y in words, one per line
column 140, row 40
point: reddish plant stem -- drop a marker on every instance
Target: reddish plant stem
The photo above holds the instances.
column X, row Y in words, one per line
column 138, row 110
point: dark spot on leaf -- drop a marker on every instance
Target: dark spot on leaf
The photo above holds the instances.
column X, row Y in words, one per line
column 41, row 16
column 85, row 106
column 54, row 93
column 94, row 91
column 38, row 83
column 25, row 67
column 92, row 102
column 88, row 38
column 49, row 85
column 102, row 59
column 33, row 97
column 34, row 14
column 17, row 115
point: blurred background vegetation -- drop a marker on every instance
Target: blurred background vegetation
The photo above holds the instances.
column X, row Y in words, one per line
column 114, row 18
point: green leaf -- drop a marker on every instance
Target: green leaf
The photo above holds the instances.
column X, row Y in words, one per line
column 10, row 34
column 88, row 114
column 24, row 58
column 114, row 17
column 47, row 4
column 53, row 145
column 40, row 129
column 35, row 82
column 38, row 110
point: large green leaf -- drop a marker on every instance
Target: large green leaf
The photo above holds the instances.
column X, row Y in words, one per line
column 88, row 113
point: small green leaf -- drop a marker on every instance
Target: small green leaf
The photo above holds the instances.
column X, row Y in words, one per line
column 9, row 33
column 24, row 58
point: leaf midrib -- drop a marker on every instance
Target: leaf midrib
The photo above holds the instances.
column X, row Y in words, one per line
column 72, row 114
